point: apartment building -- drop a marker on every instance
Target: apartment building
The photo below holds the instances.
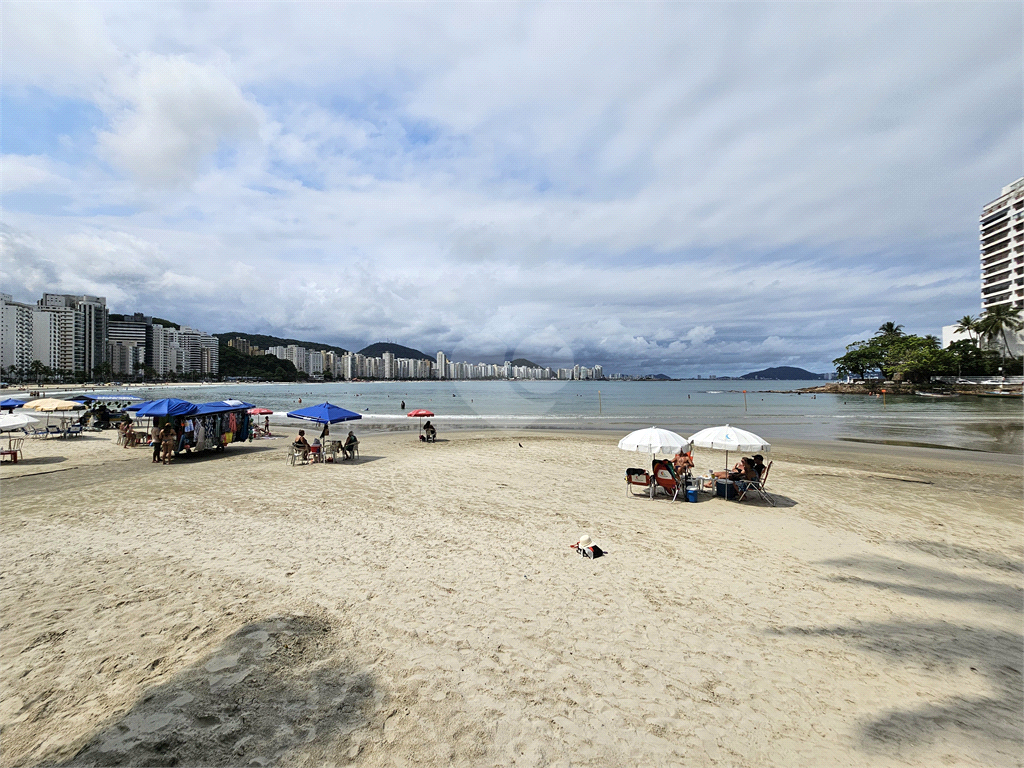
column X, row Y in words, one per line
column 1002, row 249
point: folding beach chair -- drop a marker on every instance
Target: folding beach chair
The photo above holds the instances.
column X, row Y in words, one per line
column 756, row 487
column 52, row 430
column 665, row 478
column 638, row 478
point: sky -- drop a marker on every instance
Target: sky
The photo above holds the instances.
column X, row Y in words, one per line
column 679, row 188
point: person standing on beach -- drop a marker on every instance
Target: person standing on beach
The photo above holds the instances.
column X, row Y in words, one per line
column 157, row 444
column 266, row 425
column 168, row 438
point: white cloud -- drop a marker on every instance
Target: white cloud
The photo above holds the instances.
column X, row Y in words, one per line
column 175, row 114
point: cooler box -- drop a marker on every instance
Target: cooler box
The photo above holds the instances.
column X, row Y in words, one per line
column 725, row 489
column 691, row 494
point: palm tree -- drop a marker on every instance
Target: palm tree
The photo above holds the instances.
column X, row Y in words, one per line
column 890, row 329
column 968, row 325
column 996, row 322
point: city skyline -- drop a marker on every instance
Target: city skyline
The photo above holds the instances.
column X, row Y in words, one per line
column 680, row 188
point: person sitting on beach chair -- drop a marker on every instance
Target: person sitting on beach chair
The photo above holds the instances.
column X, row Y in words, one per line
column 758, row 465
column 683, row 462
column 302, row 444
column 348, row 451
column 429, row 433
column 743, row 470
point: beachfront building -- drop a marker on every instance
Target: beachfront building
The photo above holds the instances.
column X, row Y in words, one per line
column 1002, row 249
column 89, row 318
column 126, row 345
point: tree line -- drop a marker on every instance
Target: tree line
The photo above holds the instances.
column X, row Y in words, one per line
column 893, row 354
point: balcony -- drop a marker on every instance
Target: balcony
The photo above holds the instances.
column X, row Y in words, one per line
column 995, row 288
column 988, row 301
column 987, row 262
column 986, row 220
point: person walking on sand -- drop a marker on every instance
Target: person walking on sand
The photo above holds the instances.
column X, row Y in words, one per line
column 266, row 426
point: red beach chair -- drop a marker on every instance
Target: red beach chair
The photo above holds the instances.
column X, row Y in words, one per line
column 665, row 478
column 638, row 478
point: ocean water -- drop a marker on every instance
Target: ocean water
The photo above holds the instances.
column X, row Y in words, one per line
column 973, row 423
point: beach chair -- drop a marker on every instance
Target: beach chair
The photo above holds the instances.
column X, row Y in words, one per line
column 638, row 478
column 52, row 430
column 37, row 433
column 756, row 487
column 13, row 449
column 75, row 430
column 295, row 454
column 350, row 451
column 665, row 478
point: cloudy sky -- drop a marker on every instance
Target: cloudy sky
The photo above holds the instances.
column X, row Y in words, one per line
column 685, row 188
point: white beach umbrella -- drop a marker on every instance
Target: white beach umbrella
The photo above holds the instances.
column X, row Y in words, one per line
column 727, row 439
column 654, row 440
column 12, row 421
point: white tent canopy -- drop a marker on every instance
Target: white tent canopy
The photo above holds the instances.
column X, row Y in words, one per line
column 654, row 440
column 12, row 421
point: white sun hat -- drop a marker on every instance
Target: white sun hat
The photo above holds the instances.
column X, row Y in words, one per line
column 585, row 541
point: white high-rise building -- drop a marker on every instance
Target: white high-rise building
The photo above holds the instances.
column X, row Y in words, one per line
column 16, row 334
column 1002, row 249
column 90, row 327
column 442, row 365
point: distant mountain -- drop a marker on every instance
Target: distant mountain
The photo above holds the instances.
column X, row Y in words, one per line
column 378, row 349
column 784, row 372
column 265, row 342
column 522, row 362
column 661, row 377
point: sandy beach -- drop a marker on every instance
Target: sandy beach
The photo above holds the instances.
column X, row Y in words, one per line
column 421, row 606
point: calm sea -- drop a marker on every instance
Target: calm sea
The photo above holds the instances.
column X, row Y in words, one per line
column 986, row 424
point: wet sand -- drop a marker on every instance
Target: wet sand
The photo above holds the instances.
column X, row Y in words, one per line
column 421, row 606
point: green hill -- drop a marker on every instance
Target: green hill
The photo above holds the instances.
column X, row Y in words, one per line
column 523, row 362
column 265, row 342
column 234, row 363
column 378, row 349
column 784, row 372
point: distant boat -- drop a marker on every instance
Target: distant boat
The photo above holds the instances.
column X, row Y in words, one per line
column 938, row 394
column 996, row 393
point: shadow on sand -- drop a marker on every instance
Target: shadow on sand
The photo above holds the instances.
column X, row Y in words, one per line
column 268, row 691
column 981, row 725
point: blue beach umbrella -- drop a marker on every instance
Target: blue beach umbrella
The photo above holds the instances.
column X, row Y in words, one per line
column 168, row 406
column 11, row 403
column 325, row 413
